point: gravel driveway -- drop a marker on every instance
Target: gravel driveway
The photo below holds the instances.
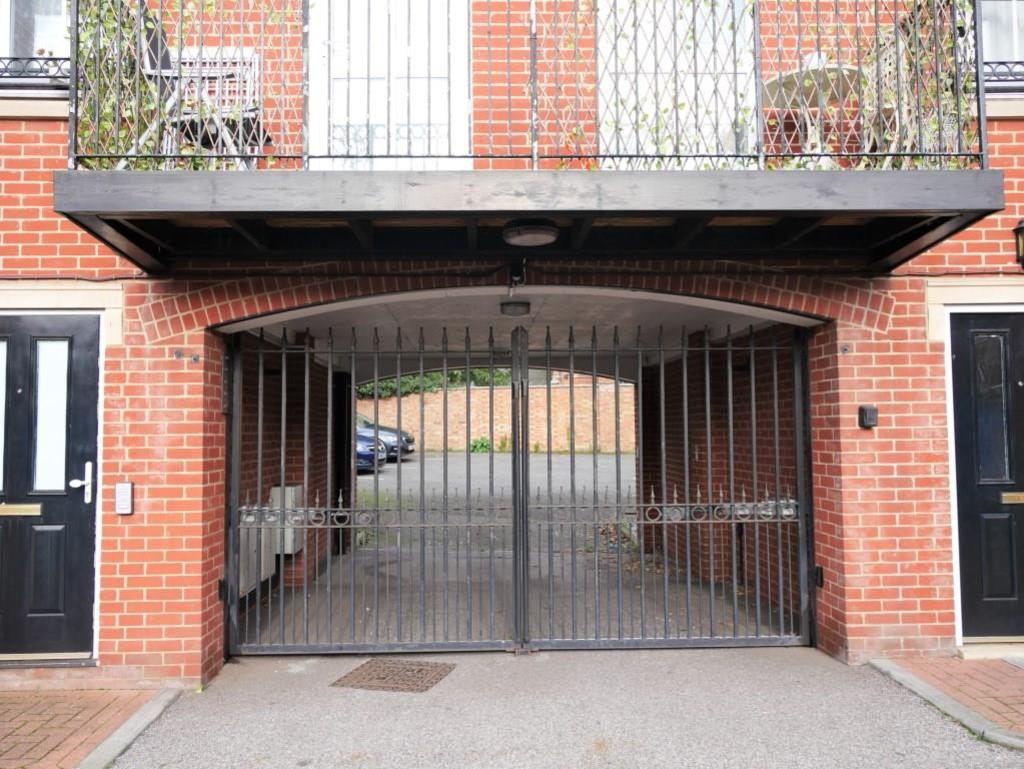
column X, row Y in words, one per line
column 696, row 708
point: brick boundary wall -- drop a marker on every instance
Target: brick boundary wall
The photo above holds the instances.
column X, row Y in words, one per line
column 479, row 411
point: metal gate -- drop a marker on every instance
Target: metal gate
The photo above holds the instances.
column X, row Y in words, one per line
column 533, row 489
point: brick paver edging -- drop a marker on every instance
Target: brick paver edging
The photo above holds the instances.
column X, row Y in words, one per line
column 974, row 721
column 118, row 742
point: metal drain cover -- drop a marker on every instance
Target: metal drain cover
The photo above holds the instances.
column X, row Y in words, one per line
column 385, row 674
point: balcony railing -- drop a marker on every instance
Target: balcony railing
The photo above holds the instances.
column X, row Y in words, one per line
column 1004, row 76
column 453, row 84
column 35, row 72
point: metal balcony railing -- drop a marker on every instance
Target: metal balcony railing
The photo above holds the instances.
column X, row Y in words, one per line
column 35, row 72
column 588, row 84
column 1004, row 76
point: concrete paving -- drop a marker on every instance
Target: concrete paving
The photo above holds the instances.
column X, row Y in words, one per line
column 695, row 708
column 562, row 474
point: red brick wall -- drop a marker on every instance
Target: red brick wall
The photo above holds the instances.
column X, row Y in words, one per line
column 298, row 466
column 757, row 545
column 882, row 511
column 479, row 416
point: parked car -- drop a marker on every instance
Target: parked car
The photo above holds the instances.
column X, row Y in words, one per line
column 397, row 444
column 366, row 457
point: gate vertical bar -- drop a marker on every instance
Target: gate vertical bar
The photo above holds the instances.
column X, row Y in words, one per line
column 282, row 458
column 594, row 492
column 306, row 353
column 572, row 486
column 686, row 475
column 731, row 509
column 641, row 512
column 330, row 503
column 663, row 469
column 398, row 481
column 353, row 539
column 520, row 482
column 469, row 493
column 712, row 628
column 259, row 490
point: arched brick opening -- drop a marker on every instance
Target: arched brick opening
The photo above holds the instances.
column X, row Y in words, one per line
column 165, row 422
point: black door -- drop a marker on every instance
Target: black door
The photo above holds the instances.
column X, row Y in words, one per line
column 49, row 375
column 988, row 403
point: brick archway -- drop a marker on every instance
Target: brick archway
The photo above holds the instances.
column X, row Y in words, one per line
column 856, row 303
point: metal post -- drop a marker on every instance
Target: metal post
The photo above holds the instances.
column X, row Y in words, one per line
column 73, row 90
column 534, row 98
column 979, row 66
column 520, row 482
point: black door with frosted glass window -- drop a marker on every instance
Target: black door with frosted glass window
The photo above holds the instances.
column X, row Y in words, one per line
column 49, row 377
column 988, row 403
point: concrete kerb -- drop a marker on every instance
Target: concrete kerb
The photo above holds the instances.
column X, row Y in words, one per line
column 976, row 723
column 117, row 743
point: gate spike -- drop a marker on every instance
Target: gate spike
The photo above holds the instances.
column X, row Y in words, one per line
column 698, row 494
column 675, row 493
column 317, row 499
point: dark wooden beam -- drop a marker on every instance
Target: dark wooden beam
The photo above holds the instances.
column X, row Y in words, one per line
column 524, row 193
column 928, row 238
column 256, row 233
column 581, row 227
column 686, row 230
column 143, row 232
column 363, row 230
column 902, row 227
column 790, row 231
column 119, row 241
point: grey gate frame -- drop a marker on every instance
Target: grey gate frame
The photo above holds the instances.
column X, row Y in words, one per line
column 700, row 538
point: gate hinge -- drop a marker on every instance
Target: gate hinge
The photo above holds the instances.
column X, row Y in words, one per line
column 819, row 576
column 222, row 589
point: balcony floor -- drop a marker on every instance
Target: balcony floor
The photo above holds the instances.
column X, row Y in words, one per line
column 858, row 221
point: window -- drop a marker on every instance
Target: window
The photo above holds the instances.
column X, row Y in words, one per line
column 34, row 43
column 676, row 85
column 1002, row 29
column 394, row 80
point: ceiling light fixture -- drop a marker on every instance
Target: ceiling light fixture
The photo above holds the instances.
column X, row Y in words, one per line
column 530, row 233
column 515, row 309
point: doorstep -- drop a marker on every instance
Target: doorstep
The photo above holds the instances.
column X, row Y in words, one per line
column 985, row 695
column 990, row 650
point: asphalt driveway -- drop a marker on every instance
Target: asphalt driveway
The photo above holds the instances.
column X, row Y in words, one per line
column 694, row 708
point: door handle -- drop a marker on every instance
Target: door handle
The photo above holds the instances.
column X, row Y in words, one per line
column 84, row 483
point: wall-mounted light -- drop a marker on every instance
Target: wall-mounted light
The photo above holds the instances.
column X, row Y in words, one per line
column 530, row 233
column 1018, row 239
column 515, row 308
